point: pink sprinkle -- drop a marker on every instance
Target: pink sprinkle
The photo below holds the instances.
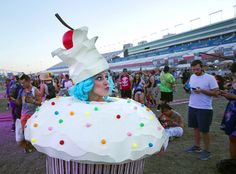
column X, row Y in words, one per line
column 159, row 128
column 129, row 134
column 50, row 128
column 135, row 108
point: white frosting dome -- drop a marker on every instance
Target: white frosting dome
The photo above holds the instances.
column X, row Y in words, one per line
column 95, row 132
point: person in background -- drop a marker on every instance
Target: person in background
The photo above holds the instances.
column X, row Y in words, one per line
column 47, row 90
column 200, row 112
column 7, row 86
column 172, row 121
column 229, row 119
column 56, row 84
column 167, row 85
column 228, row 124
column 30, row 98
column 125, row 84
column 15, row 89
column 138, row 88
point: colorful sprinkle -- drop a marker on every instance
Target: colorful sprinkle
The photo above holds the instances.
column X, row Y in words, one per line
column 37, row 109
column 88, row 125
column 60, row 121
column 118, row 116
column 72, row 113
column 87, row 114
column 25, row 126
column 96, row 108
column 129, row 134
column 142, row 105
column 56, row 112
column 135, row 108
column 35, row 125
column 159, row 128
column 148, row 109
column 57, row 97
column 152, row 117
column 141, row 124
column 53, row 103
column 128, row 101
column 150, row 145
column 103, row 141
column 87, row 102
column 134, row 146
column 50, row 128
column 33, row 140
column 62, row 142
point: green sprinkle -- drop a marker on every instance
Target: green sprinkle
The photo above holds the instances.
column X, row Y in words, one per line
column 60, row 121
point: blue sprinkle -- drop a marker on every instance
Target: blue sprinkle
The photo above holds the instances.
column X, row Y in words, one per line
column 150, row 145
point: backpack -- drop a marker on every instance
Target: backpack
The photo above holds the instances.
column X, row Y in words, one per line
column 50, row 91
column 14, row 90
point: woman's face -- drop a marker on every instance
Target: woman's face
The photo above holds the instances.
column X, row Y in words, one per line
column 137, row 76
column 101, row 85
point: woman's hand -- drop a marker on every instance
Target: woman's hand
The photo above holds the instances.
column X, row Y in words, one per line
column 227, row 95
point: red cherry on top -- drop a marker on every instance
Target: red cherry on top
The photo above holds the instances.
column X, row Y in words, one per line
column 67, row 39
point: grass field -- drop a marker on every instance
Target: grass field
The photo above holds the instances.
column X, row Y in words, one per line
column 174, row 160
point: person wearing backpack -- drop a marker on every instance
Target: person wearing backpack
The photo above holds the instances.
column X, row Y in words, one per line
column 13, row 95
column 47, row 89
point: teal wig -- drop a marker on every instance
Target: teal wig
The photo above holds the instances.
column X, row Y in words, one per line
column 81, row 90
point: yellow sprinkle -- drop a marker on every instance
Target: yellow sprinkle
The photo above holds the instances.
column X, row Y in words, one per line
column 152, row 117
column 87, row 114
column 134, row 146
column 148, row 109
column 72, row 113
column 35, row 125
column 33, row 140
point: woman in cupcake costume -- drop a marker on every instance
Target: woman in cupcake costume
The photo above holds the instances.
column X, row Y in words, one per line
column 89, row 132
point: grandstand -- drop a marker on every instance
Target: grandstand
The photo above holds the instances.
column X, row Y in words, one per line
column 207, row 43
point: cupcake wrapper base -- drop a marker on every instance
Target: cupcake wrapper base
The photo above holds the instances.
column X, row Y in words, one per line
column 58, row 166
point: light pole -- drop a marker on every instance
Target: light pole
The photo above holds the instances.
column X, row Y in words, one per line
column 166, row 29
column 234, row 10
column 177, row 26
column 213, row 13
column 193, row 20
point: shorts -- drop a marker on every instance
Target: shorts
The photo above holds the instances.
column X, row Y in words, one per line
column 24, row 119
column 174, row 131
column 167, row 96
column 200, row 118
column 126, row 94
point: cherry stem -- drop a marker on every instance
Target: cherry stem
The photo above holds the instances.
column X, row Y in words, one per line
column 62, row 21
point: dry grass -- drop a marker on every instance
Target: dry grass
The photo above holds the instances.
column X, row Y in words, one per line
column 175, row 160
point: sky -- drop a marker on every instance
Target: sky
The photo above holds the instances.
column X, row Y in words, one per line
column 29, row 30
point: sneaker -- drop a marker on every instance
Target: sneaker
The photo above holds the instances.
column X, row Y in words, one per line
column 194, row 148
column 13, row 128
column 205, row 155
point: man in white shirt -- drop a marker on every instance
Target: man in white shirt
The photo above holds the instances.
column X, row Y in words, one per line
column 203, row 87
